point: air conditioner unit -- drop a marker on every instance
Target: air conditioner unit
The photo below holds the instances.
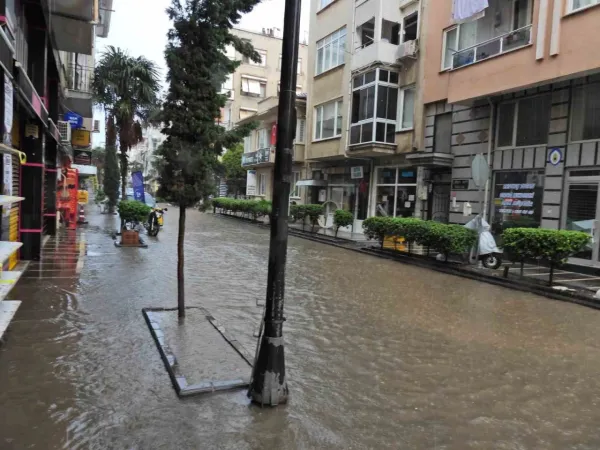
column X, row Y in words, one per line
column 64, row 129
column 407, row 49
column 96, row 126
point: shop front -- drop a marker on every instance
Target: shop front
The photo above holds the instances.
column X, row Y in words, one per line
column 394, row 192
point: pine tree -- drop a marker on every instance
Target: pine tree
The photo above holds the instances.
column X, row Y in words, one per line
column 111, row 165
column 198, row 67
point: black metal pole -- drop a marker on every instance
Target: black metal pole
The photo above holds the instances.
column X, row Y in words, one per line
column 269, row 385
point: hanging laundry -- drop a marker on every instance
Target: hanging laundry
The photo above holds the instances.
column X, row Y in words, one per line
column 466, row 9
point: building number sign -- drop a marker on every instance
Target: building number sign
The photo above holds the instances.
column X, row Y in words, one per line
column 555, row 156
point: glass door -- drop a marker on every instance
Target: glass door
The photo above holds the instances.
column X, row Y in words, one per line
column 582, row 212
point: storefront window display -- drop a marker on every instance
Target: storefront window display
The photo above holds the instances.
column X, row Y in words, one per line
column 517, row 200
column 349, row 194
column 396, row 191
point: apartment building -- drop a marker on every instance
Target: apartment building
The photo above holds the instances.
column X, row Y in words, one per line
column 519, row 84
column 363, row 111
column 141, row 155
column 259, row 150
column 253, row 92
column 42, row 81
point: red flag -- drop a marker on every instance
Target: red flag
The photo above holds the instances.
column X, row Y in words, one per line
column 274, row 134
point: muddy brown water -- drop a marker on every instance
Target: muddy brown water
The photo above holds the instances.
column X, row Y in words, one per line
column 379, row 354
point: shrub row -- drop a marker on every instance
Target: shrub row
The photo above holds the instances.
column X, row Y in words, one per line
column 248, row 208
column 133, row 211
column 553, row 246
column 310, row 212
column 445, row 238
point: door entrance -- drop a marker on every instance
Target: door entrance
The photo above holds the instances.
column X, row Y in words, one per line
column 581, row 211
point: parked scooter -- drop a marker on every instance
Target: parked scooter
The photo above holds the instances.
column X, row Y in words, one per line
column 155, row 221
column 489, row 253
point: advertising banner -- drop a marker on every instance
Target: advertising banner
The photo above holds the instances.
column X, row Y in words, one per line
column 8, row 111
column 137, row 180
column 251, row 183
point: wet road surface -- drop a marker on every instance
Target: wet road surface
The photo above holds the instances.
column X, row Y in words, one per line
column 379, row 354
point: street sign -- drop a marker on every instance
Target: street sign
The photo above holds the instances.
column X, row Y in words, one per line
column 74, row 119
column 480, row 171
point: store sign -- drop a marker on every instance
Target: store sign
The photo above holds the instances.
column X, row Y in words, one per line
column 83, row 157
column 8, row 111
column 74, row 119
column 460, row 185
column 81, row 138
column 357, row 173
column 7, row 180
column 83, row 197
column 32, row 131
column 251, row 182
column 517, row 199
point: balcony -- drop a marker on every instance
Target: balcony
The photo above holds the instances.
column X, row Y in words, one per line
column 381, row 51
column 492, row 47
column 262, row 157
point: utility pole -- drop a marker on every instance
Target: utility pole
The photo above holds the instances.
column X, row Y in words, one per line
column 269, row 385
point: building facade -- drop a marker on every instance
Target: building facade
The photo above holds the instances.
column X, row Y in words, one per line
column 520, row 85
column 363, row 111
column 259, row 151
column 42, row 81
column 141, row 156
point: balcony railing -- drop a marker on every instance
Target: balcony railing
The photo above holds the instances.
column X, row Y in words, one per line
column 79, row 78
column 259, row 157
column 492, row 47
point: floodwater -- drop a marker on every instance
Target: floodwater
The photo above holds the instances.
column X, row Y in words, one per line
column 379, row 354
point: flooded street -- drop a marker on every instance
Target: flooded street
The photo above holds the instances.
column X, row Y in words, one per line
column 379, row 354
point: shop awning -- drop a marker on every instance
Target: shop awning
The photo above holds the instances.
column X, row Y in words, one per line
column 311, row 183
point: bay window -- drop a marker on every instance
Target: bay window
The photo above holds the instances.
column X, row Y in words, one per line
column 374, row 107
column 524, row 122
column 331, row 51
column 585, row 122
column 328, row 120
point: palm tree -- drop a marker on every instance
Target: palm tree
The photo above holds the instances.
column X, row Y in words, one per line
column 127, row 88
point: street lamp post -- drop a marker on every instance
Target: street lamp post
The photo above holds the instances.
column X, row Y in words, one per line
column 269, row 385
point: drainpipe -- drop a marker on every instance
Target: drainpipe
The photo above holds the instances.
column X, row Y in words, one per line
column 489, row 159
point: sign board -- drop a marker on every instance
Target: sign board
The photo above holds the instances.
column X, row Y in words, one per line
column 137, row 181
column 555, row 156
column 480, row 171
column 8, row 181
column 82, row 197
column 8, row 111
column 74, row 119
column 32, row 131
column 516, row 199
column 357, row 172
column 460, row 185
column 251, row 182
column 81, row 138
column 82, row 157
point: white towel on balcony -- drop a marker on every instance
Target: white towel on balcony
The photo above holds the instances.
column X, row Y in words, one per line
column 465, row 9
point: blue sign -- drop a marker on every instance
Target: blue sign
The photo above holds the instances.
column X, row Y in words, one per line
column 137, row 179
column 74, row 119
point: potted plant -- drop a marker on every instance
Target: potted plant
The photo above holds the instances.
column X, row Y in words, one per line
column 132, row 212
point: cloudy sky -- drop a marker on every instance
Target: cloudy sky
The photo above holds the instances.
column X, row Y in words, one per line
column 140, row 27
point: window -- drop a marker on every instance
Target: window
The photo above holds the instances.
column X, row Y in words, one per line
column 410, row 26
column 262, row 184
column 263, row 59
column 524, row 122
column 505, row 28
column 245, row 113
column 247, row 144
column 442, row 129
column 324, row 3
column 365, row 34
column 585, row 117
column 253, row 87
column 328, row 120
column 374, row 107
column 390, row 32
column 295, row 190
column 407, row 111
column 331, row 51
column 263, row 139
column 575, row 5
column 396, row 190
column 300, row 131
column 517, row 200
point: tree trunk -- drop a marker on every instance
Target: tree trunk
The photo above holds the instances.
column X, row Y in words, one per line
column 180, row 263
column 124, row 169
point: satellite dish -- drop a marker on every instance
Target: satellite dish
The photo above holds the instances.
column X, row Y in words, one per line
column 480, row 171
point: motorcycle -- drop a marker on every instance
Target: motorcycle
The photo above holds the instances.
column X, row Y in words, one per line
column 489, row 254
column 155, row 221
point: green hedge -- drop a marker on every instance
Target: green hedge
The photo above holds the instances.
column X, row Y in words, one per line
column 342, row 218
column 554, row 246
column 249, row 208
column 303, row 212
column 442, row 237
column 132, row 210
